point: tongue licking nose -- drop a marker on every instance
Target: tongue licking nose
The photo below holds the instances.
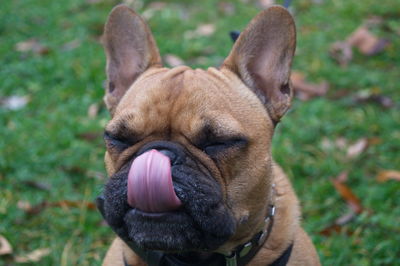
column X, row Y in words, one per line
column 150, row 187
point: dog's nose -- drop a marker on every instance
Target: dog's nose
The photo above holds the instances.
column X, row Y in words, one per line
column 174, row 151
column 170, row 154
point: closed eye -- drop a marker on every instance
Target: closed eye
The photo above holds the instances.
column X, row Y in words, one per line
column 114, row 143
column 217, row 147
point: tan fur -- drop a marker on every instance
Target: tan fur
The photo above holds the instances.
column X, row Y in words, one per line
column 174, row 105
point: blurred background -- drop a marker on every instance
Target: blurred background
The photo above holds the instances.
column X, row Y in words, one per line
column 339, row 144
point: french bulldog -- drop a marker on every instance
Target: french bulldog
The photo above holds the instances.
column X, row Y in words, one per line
column 188, row 151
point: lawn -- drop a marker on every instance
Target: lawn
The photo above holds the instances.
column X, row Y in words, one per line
column 51, row 159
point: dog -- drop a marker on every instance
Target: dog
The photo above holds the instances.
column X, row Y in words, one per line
column 188, row 151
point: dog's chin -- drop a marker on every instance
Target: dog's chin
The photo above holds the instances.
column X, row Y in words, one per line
column 173, row 232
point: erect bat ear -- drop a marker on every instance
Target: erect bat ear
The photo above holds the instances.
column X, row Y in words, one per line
column 130, row 49
column 262, row 57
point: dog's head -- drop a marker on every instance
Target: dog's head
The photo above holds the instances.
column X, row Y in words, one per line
column 188, row 151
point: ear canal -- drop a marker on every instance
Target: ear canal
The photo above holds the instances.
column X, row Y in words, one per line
column 130, row 50
column 262, row 58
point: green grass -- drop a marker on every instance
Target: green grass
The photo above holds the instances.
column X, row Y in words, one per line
column 48, row 140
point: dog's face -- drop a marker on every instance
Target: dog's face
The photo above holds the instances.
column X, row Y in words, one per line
column 214, row 126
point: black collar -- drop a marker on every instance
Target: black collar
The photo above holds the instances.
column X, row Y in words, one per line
column 219, row 260
column 240, row 256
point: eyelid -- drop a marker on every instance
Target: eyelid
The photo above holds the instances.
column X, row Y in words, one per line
column 234, row 140
column 113, row 142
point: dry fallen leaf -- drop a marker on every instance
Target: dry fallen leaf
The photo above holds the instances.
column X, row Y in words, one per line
column 93, row 110
column 24, row 205
column 341, row 52
column 366, row 42
column 33, row 256
column 5, row 247
column 374, row 96
column 32, row 45
column 387, row 175
column 362, row 39
column 173, row 60
column 90, row 136
column 14, row 102
column 203, row 30
column 71, row 45
column 341, row 143
column 306, row 90
column 352, row 201
column 357, row 148
column 348, row 195
column 333, row 228
column 74, row 204
column 342, row 177
column 337, row 226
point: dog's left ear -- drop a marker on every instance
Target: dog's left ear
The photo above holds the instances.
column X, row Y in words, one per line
column 262, row 57
column 130, row 49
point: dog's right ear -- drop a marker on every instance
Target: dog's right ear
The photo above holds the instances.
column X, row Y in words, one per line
column 130, row 49
column 262, row 57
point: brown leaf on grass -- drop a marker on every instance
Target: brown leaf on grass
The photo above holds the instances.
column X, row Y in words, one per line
column 71, row 45
column 357, row 148
column 347, row 194
column 374, row 96
column 341, row 52
column 333, row 228
column 5, row 247
column 93, row 110
column 90, row 136
column 386, row 175
column 306, row 90
column 346, row 218
column 203, row 30
column 352, row 201
column 33, row 256
column 74, row 204
column 33, row 209
column 362, row 39
column 343, row 177
column 173, row 60
column 337, row 226
column 366, row 42
column 74, row 169
column 32, row 45
column 24, row 205
column 14, row 102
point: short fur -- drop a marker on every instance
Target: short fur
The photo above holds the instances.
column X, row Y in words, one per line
column 177, row 108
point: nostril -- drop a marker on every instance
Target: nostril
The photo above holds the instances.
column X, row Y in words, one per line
column 171, row 155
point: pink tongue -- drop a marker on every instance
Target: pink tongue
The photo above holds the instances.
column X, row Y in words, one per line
column 150, row 186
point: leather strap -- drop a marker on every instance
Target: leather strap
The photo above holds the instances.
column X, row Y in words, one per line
column 217, row 260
